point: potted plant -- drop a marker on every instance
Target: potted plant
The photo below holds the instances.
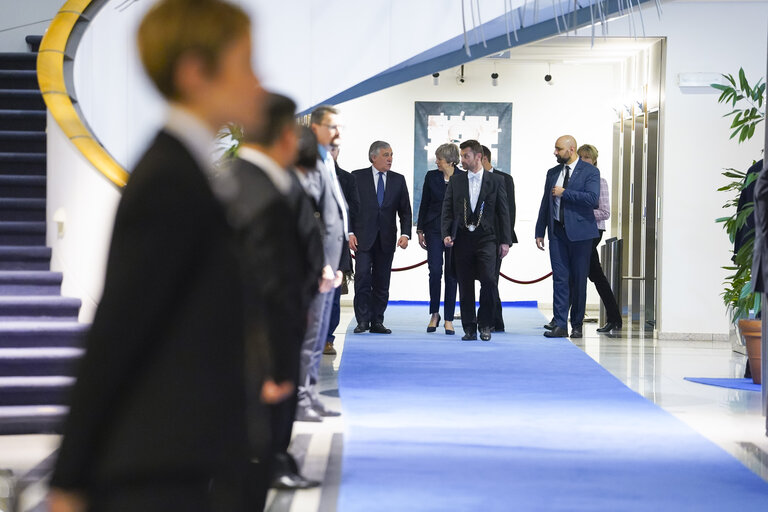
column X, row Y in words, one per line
column 743, row 304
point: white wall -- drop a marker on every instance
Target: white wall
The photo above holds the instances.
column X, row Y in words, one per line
column 17, row 23
column 540, row 114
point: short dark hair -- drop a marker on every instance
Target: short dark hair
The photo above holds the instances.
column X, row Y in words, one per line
column 308, row 152
column 279, row 112
column 320, row 112
column 487, row 153
column 473, row 145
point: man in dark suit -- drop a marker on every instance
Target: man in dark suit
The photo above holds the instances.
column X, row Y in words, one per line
column 266, row 211
column 348, row 187
column 476, row 224
column 383, row 197
column 571, row 194
column 157, row 420
column 509, row 188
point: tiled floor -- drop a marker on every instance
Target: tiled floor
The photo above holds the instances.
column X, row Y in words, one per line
column 654, row 368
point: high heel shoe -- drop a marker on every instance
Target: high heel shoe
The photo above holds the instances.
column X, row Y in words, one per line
column 447, row 330
column 433, row 329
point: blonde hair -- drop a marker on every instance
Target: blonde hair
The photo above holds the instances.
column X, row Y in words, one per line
column 173, row 29
column 590, row 151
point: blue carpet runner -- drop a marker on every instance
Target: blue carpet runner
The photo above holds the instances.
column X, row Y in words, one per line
column 745, row 384
column 520, row 423
column 39, row 332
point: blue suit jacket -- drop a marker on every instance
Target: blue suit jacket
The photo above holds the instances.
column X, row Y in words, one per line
column 580, row 199
column 431, row 207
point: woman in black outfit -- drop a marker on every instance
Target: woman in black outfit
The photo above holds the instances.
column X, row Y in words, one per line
column 430, row 238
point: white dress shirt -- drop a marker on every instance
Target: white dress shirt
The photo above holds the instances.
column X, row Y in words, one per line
column 475, row 184
column 559, row 183
column 376, row 172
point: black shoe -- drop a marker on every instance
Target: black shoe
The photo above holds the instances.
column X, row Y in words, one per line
column 557, row 332
column 433, row 328
column 450, row 332
column 576, row 332
column 485, row 333
column 470, row 336
column 498, row 329
column 378, row 328
column 551, row 325
column 610, row 326
column 290, row 481
column 326, row 413
column 308, row 414
column 362, row 327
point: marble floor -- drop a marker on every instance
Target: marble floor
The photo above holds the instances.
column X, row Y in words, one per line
column 654, row 368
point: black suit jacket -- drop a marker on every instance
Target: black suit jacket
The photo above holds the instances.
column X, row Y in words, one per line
column 372, row 220
column 431, row 207
column 495, row 220
column 509, row 188
column 349, row 189
column 160, row 392
column 279, row 270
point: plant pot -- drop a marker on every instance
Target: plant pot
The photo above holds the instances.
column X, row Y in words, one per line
column 752, row 332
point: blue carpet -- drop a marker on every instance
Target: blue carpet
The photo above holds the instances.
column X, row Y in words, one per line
column 745, row 384
column 520, row 423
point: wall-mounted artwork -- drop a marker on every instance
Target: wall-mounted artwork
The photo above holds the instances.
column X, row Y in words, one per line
column 439, row 122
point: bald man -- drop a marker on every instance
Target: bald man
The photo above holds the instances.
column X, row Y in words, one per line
column 571, row 194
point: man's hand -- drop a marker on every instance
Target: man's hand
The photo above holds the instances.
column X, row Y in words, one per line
column 557, row 191
column 540, row 243
column 448, row 241
column 353, row 243
column 326, row 279
column 274, row 393
column 65, row 501
column 403, row 242
column 422, row 241
column 338, row 279
column 503, row 250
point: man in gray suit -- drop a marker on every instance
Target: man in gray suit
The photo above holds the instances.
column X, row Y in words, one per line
column 323, row 186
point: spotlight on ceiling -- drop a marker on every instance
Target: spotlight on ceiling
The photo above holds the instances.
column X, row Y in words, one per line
column 494, row 79
column 435, row 78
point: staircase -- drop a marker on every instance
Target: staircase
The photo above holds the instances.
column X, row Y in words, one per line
column 39, row 333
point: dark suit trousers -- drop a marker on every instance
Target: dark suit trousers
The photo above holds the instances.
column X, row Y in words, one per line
column 475, row 258
column 570, row 268
column 373, row 270
column 597, row 276
column 498, row 318
column 436, row 251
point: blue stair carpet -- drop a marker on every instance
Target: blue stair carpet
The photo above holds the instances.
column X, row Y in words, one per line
column 745, row 384
column 517, row 423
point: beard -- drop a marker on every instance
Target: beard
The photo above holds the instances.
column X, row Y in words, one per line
column 562, row 160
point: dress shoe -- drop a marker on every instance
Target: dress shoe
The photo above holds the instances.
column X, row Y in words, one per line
column 433, row 328
column 291, row 481
column 362, row 327
column 469, row 336
column 576, row 332
column 378, row 328
column 485, row 333
column 329, row 350
column 498, row 329
column 448, row 331
column 610, row 326
column 551, row 325
column 308, row 414
column 557, row 332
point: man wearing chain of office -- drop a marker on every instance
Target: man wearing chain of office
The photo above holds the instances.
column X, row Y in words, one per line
column 474, row 208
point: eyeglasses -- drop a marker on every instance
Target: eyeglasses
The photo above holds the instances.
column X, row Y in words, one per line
column 332, row 127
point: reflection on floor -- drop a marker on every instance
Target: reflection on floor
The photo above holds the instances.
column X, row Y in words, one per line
column 651, row 367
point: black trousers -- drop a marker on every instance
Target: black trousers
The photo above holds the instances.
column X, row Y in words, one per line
column 475, row 256
column 498, row 318
column 597, row 276
column 373, row 270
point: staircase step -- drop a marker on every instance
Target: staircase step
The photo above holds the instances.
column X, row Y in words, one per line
column 33, row 42
column 33, row 120
column 22, row 141
column 35, row 390
column 20, row 233
column 59, row 333
column 30, row 282
column 38, row 308
column 21, row 100
column 20, row 186
column 25, row 258
column 22, row 208
column 19, row 79
column 32, row 419
column 39, row 361
column 20, row 60
column 22, row 163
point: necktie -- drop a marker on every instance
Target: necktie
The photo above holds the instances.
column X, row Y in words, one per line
column 565, row 185
column 380, row 189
